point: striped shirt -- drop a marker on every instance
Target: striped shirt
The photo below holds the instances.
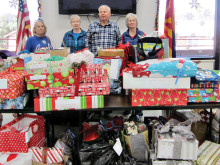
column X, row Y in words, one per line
column 102, row 37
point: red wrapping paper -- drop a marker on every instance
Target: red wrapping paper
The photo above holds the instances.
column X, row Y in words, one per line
column 57, row 91
column 15, row 84
column 94, row 73
column 159, row 97
column 84, row 89
column 21, row 133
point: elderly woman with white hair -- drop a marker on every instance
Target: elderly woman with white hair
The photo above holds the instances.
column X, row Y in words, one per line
column 133, row 33
column 75, row 38
column 39, row 39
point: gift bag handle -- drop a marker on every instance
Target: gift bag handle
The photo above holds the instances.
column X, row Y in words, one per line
column 153, row 53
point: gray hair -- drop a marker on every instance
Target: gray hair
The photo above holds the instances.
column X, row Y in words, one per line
column 130, row 15
column 74, row 16
column 109, row 9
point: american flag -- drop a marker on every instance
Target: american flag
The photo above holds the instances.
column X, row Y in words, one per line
column 23, row 26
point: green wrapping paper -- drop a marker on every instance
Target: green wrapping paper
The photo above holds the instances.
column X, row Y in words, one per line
column 41, row 66
column 68, row 103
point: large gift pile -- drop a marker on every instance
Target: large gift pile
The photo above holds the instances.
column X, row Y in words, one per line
column 90, row 84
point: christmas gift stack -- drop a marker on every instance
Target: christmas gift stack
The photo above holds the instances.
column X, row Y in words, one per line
column 174, row 142
column 113, row 60
column 12, row 89
column 84, row 88
column 159, row 82
column 205, row 87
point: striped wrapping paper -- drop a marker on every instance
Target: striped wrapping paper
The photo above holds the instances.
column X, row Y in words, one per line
column 68, row 103
column 209, row 154
column 47, row 155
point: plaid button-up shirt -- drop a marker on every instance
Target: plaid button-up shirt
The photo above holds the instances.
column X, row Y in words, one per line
column 99, row 36
column 69, row 41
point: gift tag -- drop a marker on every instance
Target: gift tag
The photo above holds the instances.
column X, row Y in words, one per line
column 118, row 147
column 3, row 84
column 38, row 77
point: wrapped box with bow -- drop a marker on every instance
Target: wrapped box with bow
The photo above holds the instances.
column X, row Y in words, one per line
column 175, row 141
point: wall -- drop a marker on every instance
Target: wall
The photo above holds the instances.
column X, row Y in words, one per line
column 59, row 24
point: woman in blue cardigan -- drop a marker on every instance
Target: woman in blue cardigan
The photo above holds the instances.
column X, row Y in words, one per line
column 133, row 33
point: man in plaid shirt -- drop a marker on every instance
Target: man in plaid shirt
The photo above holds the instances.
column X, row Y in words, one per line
column 103, row 34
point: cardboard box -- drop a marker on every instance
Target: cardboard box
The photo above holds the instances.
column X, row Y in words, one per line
column 60, row 52
column 111, row 53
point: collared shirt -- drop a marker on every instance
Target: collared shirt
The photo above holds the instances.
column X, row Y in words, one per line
column 102, row 37
column 132, row 40
column 75, row 45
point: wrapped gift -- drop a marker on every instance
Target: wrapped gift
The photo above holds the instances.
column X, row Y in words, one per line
column 68, row 103
column 203, row 92
column 101, row 88
column 159, row 97
column 47, row 76
column 113, row 67
column 21, row 133
column 57, row 91
column 137, row 145
column 85, row 89
column 15, row 158
column 208, row 154
column 93, row 74
column 204, row 99
column 18, row 103
column 111, row 53
column 11, row 84
column 63, row 52
column 130, row 82
column 17, row 65
column 49, row 83
column 204, row 84
column 169, row 162
column 44, row 50
column 168, row 67
column 42, row 66
column 47, row 155
column 130, row 128
column 83, row 55
column 173, row 145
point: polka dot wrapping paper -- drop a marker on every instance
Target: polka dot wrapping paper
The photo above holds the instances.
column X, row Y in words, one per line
column 15, row 84
column 21, row 133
